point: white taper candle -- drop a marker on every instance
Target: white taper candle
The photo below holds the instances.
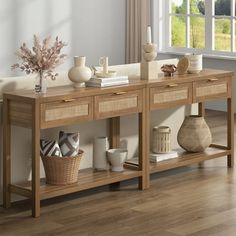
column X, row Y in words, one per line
column 149, row 35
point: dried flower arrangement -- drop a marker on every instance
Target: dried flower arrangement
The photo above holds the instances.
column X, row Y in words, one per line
column 43, row 58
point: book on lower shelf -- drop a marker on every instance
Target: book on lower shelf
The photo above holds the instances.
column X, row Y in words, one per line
column 155, row 157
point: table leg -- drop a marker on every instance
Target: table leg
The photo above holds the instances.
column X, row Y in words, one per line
column 144, row 181
column 114, row 132
column 114, row 140
column 201, row 112
column 36, row 163
column 230, row 131
column 6, row 155
column 201, row 109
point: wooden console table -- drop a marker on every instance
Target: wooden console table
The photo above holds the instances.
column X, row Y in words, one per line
column 65, row 106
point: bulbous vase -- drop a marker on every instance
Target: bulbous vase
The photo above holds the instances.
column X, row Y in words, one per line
column 79, row 73
column 194, row 134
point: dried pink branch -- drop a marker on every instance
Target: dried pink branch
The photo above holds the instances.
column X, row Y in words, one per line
column 42, row 58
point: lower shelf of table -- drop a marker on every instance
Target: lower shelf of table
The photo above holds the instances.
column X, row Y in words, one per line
column 87, row 179
column 187, row 158
column 184, row 158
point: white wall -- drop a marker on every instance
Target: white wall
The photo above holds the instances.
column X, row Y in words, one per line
column 91, row 28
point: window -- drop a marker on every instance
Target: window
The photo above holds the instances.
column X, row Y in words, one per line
column 204, row 26
column 224, row 20
column 187, row 22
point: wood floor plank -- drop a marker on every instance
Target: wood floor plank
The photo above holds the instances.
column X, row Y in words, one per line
column 204, row 223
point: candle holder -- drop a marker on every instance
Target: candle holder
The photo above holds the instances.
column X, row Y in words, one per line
column 195, row 60
column 149, row 67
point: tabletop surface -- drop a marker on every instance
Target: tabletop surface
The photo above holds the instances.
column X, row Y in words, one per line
column 134, row 83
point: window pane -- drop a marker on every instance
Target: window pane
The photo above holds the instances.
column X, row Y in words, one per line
column 222, row 7
column 235, row 9
column 197, row 32
column 178, row 31
column 179, row 6
column 197, row 7
column 222, row 35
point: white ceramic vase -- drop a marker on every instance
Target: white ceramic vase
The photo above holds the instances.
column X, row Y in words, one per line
column 117, row 157
column 100, row 146
column 79, row 73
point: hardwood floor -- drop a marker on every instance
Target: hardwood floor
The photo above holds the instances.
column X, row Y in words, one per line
column 188, row 201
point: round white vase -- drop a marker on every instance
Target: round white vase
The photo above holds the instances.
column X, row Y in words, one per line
column 79, row 73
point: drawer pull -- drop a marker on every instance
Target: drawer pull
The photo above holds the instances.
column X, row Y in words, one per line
column 213, row 79
column 120, row 93
column 172, row 85
column 69, row 100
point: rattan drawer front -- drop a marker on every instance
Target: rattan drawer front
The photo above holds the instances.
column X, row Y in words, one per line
column 66, row 111
column 211, row 88
column 117, row 104
column 170, row 95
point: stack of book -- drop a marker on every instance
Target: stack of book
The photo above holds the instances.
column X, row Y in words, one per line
column 106, row 82
column 156, row 157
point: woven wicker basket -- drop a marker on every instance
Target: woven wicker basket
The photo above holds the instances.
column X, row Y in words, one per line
column 61, row 170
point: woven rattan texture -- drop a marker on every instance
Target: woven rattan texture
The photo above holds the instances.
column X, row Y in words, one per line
column 61, row 170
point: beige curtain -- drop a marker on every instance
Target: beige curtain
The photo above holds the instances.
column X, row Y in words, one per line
column 138, row 18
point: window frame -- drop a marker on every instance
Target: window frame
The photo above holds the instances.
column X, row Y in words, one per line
column 162, row 34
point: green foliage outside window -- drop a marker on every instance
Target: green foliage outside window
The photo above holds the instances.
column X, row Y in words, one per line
column 178, row 31
column 197, row 24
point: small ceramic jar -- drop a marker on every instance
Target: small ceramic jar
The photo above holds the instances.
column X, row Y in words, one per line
column 195, row 62
column 117, row 157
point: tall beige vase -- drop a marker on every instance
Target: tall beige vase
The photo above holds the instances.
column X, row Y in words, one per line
column 79, row 73
column 194, row 134
column 100, row 147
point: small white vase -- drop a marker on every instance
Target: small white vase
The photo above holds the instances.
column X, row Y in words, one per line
column 79, row 73
column 100, row 146
column 117, row 157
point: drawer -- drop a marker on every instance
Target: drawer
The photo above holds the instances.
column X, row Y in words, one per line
column 118, row 103
column 170, row 95
column 211, row 88
column 66, row 111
